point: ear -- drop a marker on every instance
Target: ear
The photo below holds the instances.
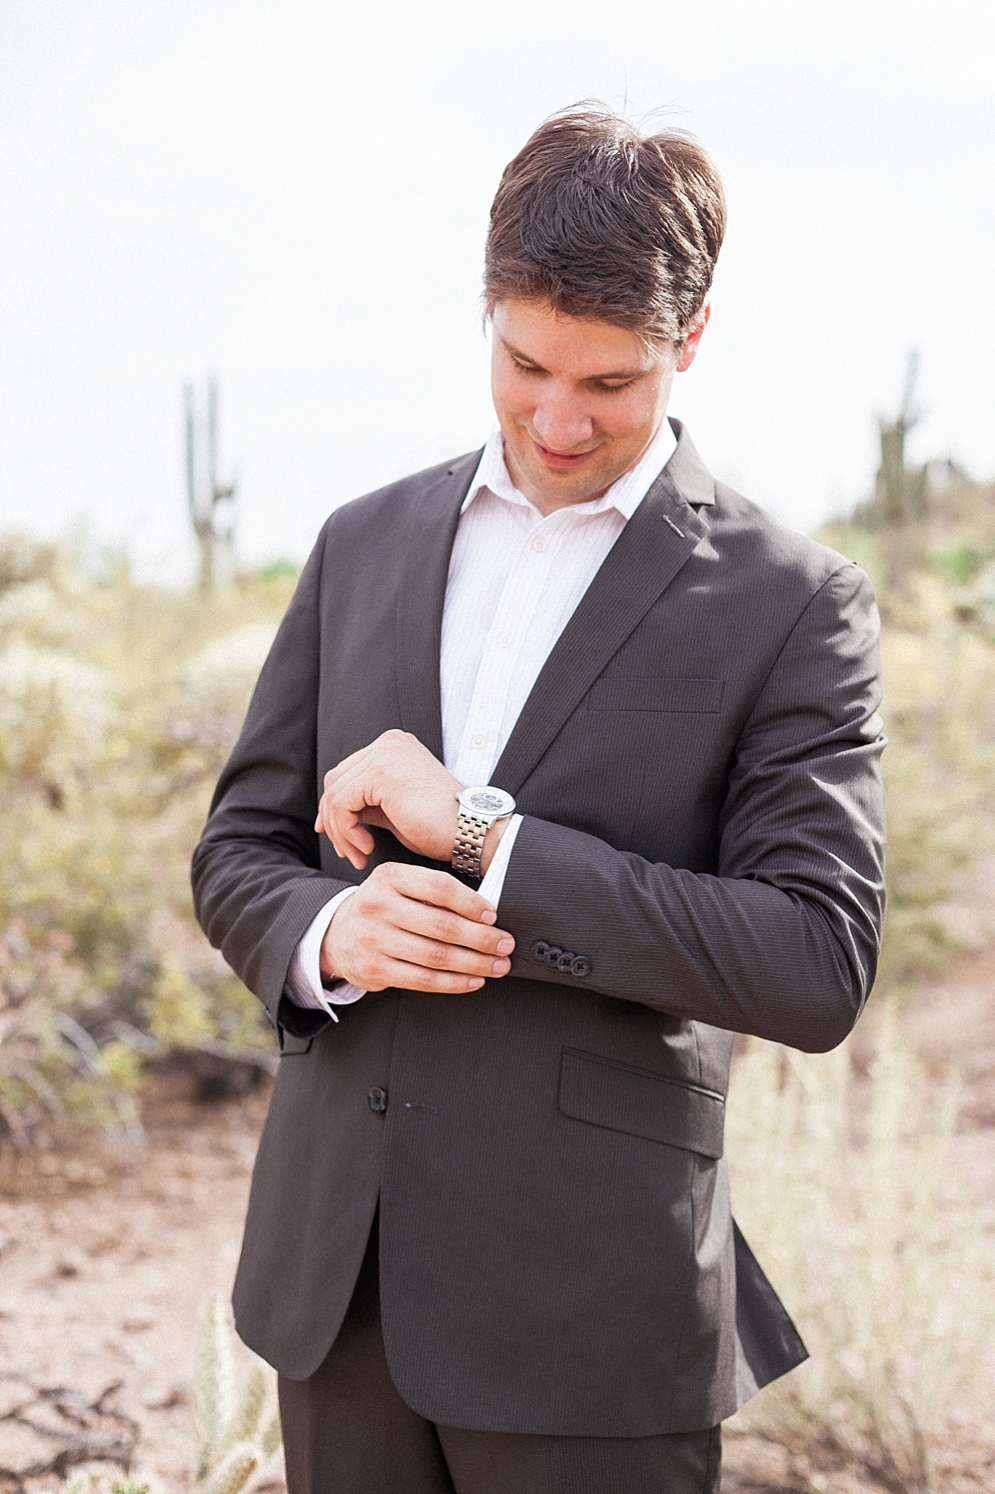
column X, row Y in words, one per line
column 689, row 348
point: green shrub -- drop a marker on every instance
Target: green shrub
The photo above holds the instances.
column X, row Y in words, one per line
column 118, row 705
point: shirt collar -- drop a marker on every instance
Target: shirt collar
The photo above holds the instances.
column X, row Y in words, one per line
column 625, row 494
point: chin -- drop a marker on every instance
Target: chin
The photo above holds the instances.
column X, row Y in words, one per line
column 577, row 486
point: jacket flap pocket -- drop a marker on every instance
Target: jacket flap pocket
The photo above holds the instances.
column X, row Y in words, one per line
column 641, row 1103
column 613, row 694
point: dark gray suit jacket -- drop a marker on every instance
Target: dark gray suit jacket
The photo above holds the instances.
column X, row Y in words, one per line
column 698, row 766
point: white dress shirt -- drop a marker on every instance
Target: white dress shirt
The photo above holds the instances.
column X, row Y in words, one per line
column 515, row 579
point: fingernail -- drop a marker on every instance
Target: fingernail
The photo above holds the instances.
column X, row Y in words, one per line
column 501, row 967
column 488, row 916
column 474, row 984
column 505, row 946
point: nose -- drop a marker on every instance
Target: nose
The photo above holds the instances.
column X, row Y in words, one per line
column 561, row 423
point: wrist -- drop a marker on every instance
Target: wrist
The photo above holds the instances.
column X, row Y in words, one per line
column 330, row 955
column 492, row 840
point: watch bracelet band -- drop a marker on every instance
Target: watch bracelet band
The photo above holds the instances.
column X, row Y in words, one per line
column 468, row 847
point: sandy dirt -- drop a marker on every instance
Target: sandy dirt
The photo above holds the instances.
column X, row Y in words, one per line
column 107, row 1257
column 108, row 1254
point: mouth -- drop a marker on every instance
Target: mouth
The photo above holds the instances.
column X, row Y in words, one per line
column 562, row 461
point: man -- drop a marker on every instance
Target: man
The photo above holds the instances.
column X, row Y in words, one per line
column 489, row 1246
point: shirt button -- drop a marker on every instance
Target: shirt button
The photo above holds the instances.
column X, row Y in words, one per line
column 478, row 741
column 539, row 543
column 505, row 640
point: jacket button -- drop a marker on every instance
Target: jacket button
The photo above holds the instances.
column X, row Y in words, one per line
column 552, row 955
column 581, row 966
column 539, row 949
column 377, row 1100
column 565, row 962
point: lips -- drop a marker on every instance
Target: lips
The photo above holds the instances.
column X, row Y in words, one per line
column 563, row 461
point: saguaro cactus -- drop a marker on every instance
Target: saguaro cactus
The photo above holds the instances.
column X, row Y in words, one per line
column 211, row 503
column 901, row 492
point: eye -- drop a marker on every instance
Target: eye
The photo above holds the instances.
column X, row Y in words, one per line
column 616, row 388
column 525, row 368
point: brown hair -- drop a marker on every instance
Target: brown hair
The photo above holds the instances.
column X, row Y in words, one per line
column 603, row 223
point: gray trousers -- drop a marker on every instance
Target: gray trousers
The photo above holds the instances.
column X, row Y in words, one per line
column 347, row 1431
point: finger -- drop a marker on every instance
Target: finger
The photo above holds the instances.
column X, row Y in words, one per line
column 353, row 792
column 352, row 768
column 360, row 768
column 341, row 845
column 356, row 854
column 439, row 889
column 323, row 818
column 334, row 775
column 360, row 836
column 382, row 750
column 434, row 955
column 407, row 977
column 345, row 832
column 440, row 926
column 343, row 809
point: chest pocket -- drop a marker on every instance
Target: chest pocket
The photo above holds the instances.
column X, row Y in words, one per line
column 676, row 695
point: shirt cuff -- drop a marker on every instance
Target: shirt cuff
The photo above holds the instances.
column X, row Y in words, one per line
column 304, row 984
column 493, row 884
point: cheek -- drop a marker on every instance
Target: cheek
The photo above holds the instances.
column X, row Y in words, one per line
column 511, row 395
column 629, row 420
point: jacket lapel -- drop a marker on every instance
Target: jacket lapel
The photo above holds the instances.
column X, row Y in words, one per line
column 428, row 544
column 646, row 557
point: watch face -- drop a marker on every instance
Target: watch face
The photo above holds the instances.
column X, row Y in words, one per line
column 487, row 801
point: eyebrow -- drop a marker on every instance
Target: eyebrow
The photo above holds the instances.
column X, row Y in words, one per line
column 599, row 378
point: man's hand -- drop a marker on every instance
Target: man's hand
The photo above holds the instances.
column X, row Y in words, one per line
column 418, row 929
column 395, row 783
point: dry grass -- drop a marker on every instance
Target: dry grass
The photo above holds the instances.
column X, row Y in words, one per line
column 849, row 1187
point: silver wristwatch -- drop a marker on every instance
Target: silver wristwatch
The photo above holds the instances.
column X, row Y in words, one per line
column 478, row 810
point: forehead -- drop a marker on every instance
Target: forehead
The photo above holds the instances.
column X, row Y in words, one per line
column 583, row 348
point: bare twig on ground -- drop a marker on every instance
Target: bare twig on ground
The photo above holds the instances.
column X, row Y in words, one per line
column 94, row 1431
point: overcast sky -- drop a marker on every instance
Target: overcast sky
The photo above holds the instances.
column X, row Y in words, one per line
column 295, row 196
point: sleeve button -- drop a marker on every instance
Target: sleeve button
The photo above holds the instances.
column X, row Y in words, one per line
column 539, row 949
column 565, row 963
column 580, row 966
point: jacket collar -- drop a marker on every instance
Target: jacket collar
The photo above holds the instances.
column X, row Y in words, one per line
column 428, row 543
column 654, row 545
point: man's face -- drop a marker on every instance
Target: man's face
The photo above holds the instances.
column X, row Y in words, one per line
column 578, row 401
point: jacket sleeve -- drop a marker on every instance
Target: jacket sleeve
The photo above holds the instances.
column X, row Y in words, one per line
column 256, row 879
column 783, row 941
